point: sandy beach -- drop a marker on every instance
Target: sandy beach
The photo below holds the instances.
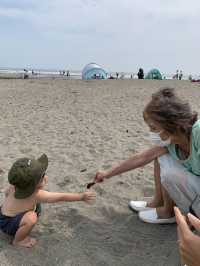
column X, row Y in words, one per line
column 85, row 126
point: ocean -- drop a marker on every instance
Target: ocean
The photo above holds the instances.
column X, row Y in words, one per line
column 68, row 74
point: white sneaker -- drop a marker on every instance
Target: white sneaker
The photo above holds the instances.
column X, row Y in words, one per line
column 151, row 216
column 138, row 205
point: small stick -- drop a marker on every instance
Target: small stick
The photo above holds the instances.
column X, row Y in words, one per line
column 89, row 185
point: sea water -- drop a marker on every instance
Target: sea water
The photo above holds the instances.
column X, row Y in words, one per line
column 73, row 74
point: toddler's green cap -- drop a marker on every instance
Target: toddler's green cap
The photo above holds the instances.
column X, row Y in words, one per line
column 25, row 174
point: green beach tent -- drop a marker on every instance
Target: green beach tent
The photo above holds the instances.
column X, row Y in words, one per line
column 154, row 74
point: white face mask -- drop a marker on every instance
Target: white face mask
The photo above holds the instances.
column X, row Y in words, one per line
column 156, row 139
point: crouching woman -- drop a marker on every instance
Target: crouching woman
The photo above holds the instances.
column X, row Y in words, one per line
column 175, row 131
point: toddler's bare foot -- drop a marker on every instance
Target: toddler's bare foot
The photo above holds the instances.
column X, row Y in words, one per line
column 28, row 242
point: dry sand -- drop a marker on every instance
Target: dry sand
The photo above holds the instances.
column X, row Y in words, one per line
column 85, row 126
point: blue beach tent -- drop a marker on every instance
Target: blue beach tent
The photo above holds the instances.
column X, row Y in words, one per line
column 153, row 74
column 93, row 71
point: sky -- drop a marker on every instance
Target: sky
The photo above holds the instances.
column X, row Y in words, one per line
column 119, row 35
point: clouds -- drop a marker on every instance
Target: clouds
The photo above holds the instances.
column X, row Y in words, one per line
column 106, row 16
column 80, row 14
column 104, row 31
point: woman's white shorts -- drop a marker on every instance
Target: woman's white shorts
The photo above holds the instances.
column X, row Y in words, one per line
column 182, row 185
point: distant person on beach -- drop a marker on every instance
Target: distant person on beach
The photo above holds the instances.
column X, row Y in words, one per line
column 25, row 74
column 117, row 75
column 68, row 73
column 180, row 75
column 175, row 132
column 122, row 76
column 33, row 72
column 21, row 207
column 140, row 74
column 176, row 75
column 190, row 77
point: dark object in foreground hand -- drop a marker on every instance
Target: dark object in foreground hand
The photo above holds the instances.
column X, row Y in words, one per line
column 89, row 185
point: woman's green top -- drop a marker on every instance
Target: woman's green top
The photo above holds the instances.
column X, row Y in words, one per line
column 192, row 163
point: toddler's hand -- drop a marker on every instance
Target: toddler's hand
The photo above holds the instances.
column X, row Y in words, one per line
column 88, row 196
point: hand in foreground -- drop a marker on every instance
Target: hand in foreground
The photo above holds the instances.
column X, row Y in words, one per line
column 189, row 243
column 88, row 196
column 99, row 177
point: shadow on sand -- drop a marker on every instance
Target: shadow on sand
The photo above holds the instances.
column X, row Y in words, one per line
column 66, row 237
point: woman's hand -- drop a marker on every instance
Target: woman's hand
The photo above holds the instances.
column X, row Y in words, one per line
column 189, row 243
column 100, row 176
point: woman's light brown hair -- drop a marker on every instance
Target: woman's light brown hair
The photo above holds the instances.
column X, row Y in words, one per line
column 170, row 112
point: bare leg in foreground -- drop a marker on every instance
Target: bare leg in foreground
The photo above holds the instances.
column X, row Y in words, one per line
column 22, row 237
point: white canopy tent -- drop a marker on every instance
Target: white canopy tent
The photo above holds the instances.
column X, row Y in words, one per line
column 93, row 71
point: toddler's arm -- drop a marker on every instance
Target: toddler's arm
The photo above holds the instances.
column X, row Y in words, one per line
column 51, row 197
